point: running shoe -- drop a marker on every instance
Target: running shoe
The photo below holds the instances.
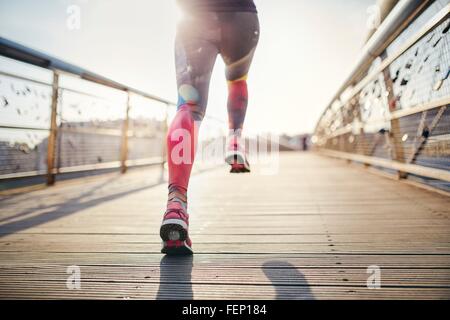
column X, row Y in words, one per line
column 177, row 247
column 174, row 230
column 236, row 156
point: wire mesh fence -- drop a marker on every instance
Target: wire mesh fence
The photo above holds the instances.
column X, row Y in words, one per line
column 401, row 111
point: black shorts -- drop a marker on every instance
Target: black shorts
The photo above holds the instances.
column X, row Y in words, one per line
column 200, row 38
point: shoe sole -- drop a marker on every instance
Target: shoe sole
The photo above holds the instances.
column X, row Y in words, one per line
column 171, row 226
column 174, row 250
column 237, row 162
column 238, row 168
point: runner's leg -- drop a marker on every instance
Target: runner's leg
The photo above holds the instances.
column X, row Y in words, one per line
column 240, row 34
column 195, row 55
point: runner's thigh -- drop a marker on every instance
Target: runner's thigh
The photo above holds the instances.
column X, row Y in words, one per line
column 239, row 37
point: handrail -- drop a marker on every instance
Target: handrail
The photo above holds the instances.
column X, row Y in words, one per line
column 433, row 173
column 393, row 24
column 439, row 17
column 394, row 113
column 59, row 67
column 19, row 52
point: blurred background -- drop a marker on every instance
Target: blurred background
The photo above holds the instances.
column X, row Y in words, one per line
column 307, row 50
column 304, row 52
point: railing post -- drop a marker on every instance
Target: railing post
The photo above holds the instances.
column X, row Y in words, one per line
column 51, row 144
column 395, row 131
column 124, row 146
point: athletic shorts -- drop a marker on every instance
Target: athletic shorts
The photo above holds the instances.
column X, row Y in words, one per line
column 200, row 38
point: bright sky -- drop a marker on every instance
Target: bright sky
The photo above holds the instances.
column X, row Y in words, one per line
column 306, row 49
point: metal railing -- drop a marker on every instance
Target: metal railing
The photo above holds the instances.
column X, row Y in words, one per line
column 392, row 111
column 67, row 140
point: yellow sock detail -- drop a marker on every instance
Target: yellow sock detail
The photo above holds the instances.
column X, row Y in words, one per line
column 244, row 77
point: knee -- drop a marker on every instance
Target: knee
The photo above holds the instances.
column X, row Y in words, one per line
column 189, row 100
column 188, row 94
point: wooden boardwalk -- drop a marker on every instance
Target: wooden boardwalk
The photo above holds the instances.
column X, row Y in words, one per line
column 308, row 232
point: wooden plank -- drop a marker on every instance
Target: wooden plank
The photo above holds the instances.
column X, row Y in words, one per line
column 271, row 272
column 314, row 260
column 211, row 237
column 127, row 290
column 308, row 232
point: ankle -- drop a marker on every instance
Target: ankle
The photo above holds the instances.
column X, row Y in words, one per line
column 177, row 194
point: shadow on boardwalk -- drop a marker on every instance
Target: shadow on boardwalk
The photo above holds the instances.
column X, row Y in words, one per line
column 67, row 207
column 289, row 282
column 175, row 278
